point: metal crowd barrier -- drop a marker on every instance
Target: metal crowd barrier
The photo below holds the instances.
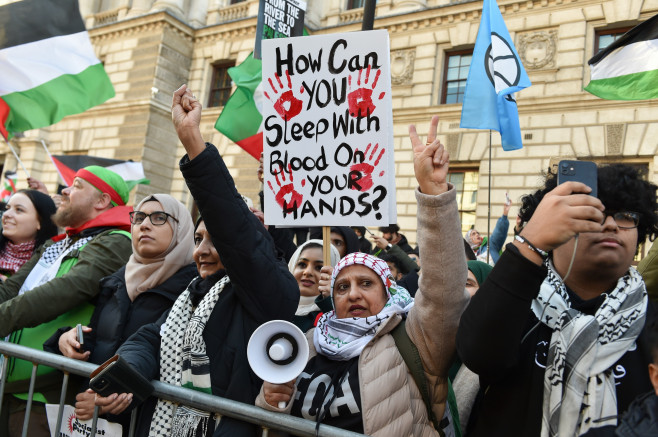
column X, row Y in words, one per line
column 248, row 413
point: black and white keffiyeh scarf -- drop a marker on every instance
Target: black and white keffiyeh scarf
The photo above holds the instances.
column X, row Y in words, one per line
column 579, row 391
column 184, row 362
column 344, row 339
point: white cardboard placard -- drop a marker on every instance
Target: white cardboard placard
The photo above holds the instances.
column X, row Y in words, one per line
column 327, row 130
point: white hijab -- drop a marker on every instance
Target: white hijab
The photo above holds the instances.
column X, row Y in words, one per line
column 307, row 303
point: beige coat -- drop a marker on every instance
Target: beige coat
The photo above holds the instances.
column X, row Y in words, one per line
column 391, row 404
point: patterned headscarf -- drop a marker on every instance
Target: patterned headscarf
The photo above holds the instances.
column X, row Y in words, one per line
column 344, row 339
column 375, row 264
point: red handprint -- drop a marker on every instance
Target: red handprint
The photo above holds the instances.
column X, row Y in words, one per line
column 365, row 169
column 287, row 197
column 287, row 105
column 360, row 100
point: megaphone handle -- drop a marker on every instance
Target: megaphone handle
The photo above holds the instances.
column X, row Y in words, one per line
column 282, row 404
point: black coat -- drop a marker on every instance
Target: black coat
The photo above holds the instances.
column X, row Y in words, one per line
column 261, row 289
column 116, row 317
column 512, row 373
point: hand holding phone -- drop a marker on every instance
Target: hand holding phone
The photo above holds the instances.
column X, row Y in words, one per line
column 117, row 376
column 70, row 343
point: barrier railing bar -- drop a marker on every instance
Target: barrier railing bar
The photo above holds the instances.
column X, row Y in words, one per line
column 248, row 413
column 62, row 399
column 94, row 421
column 133, row 422
column 30, row 395
column 4, row 360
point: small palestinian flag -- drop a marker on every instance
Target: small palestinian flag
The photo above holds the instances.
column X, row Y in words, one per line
column 241, row 118
column 10, row 186
column 68, row 165
column 628, row 68
column 47, row 64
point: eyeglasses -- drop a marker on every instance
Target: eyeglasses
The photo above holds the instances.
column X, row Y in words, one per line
column 158, row 218
column 624, row 219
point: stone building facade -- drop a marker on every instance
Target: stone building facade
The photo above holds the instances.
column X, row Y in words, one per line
column 151, row 47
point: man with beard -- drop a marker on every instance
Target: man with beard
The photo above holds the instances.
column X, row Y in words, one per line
column 54, row 288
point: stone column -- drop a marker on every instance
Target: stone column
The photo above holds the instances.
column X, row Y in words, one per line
column 140, row 7
column 87, row 9
column 197, row 13
column 175, row 6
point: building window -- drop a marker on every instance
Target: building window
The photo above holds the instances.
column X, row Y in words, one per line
column 233, row 2
column 466, row 186
column 455, row 75
column 220, row 84
column 606, row 37
column 354, row 4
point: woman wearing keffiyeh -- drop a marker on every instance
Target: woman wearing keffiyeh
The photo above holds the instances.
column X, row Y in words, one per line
column 356, row 378
column 555, row 333
column 202, row 343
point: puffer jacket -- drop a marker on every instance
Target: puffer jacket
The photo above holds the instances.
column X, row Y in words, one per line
column 391, row 403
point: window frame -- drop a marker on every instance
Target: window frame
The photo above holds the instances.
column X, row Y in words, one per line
column 349, row 5
column 217, row 67
column 464, row 170
column 612, row 31
column 444, row 79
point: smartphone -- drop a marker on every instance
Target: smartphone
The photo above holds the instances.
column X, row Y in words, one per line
column 117, row 376
column 81, row 338
column 103, row 383
column 579, row 171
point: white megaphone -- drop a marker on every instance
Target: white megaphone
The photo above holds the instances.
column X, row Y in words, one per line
column 277, row 352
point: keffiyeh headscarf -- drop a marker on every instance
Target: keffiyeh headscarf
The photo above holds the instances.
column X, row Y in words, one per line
column 344, row 339
column 579, row 392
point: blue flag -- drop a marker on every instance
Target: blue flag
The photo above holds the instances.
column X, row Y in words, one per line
column 495, row 73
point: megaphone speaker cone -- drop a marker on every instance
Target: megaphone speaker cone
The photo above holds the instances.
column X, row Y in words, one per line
column 277, row 351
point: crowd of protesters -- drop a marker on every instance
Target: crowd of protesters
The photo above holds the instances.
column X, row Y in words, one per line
column 554, row 334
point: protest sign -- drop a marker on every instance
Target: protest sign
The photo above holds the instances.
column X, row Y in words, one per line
column 327, row 131
column 72, row 427
column 278, row 19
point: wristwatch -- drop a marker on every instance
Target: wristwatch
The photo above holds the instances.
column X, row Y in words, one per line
column 388, row 247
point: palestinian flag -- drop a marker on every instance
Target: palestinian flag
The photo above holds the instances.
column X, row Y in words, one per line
column 242, row 117
column 68, row 165
column 628, row 68
column 10, row 186
column 49, row 69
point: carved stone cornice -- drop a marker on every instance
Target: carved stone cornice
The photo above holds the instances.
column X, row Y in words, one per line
column 220, row 32
column 452, row 14
column 150, row 23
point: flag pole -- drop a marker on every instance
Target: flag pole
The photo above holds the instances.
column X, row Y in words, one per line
column 16, row 156
column 489, row 203
column 368, row 15
column 326, row 245
column 43, row 143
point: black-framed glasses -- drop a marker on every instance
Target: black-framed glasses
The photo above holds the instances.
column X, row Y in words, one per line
column 158, row 218
column 624, row 219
